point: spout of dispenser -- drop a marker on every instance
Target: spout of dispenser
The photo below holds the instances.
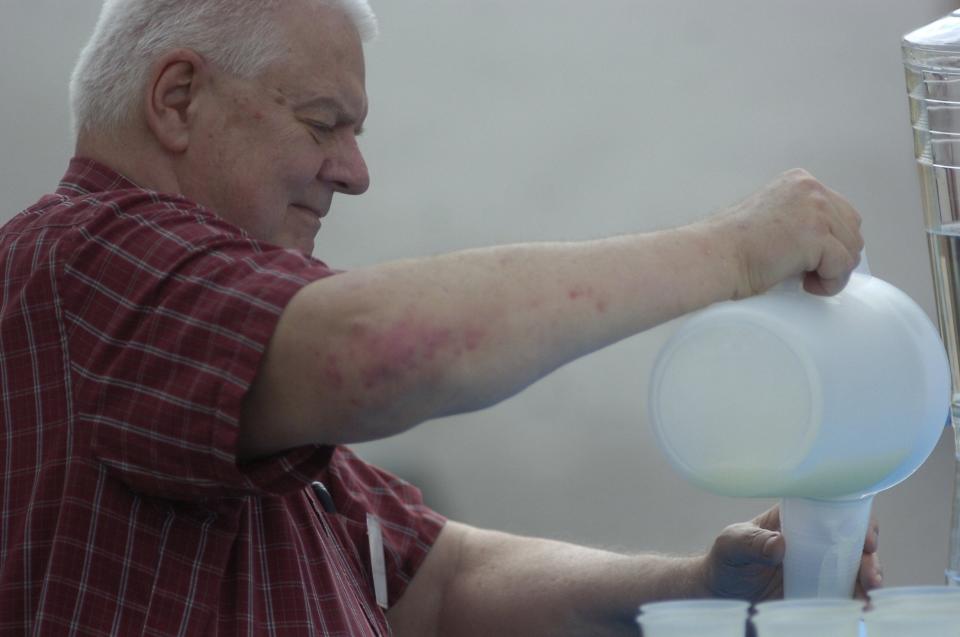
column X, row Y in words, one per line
column 824, row 545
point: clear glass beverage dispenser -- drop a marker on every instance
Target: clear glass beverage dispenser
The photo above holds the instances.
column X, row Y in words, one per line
column 931, row 56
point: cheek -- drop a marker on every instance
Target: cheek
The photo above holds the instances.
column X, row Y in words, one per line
column 275, row 186
column 265, row 178
column 302, row 163
column 289, row 157
column 268, row 170
column 253, row 200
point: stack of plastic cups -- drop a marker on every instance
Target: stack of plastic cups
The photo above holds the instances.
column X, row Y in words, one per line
column 824, row 617
column 917, row 611
column 694, row 618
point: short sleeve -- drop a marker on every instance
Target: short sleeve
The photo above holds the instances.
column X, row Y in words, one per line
column 168, row 312
column 409, row 527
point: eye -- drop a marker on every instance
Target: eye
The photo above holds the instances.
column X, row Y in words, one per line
column 318, row 129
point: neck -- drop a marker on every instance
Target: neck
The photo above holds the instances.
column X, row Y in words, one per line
column 134, row 157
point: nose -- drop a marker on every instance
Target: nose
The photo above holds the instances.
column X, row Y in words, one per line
column 346, row 169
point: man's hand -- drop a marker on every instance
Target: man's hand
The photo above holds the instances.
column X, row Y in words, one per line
column 745, row 561
column 794, row 224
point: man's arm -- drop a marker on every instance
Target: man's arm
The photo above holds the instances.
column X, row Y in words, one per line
column 479, row 583
column 372, row 352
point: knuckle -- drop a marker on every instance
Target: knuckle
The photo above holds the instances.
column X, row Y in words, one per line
column 820, row 226
column 816, row 196
column 730, row 531
column 851, row 261
column 808, row 181
column 798, row 173
column 729, row 536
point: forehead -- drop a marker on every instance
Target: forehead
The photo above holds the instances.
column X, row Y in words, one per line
column 324, row 56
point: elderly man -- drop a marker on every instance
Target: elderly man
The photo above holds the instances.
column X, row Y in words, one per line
column 178, row 374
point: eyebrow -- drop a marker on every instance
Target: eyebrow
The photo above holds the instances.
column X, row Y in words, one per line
column 322, row 100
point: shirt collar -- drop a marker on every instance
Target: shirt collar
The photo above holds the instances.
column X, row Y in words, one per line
column 85, row 176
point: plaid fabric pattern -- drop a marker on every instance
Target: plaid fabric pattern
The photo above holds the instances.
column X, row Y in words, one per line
column 131, row 325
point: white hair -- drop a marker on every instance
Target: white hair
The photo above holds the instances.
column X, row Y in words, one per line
column 237, row 36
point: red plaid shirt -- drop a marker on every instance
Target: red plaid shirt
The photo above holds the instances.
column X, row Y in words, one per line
column 131, row 325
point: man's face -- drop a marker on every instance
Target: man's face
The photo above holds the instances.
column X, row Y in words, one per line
column 271, row 152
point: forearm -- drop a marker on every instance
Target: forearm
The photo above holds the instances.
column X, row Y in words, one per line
column 407, row 341
column 508, row 585
column 478, row 325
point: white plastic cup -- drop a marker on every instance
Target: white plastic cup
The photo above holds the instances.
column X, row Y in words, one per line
column 906, row 622
column 824, row 545
column 806, row 617
column 819, row 625
column 694, row 618
column 928, row 598
column 667, row 625
column 825, row 605
column 725, row 607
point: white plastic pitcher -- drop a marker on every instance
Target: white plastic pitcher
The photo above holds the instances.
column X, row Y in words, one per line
column 822, row 401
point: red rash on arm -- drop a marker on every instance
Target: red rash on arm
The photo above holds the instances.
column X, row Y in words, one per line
column 407, row 348
column 332, row 374
column 472, row 339
column 578, row 293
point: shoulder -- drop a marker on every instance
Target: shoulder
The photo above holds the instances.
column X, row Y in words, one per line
column 168, row 216
column 163, row 231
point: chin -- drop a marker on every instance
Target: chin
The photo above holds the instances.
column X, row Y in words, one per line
column 306, row 247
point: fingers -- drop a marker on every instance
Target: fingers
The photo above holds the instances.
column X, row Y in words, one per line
column 871, row 573
column 834, row 227
column 841, row 245
column 815, row 283
column 850, row 218
column 872, row 542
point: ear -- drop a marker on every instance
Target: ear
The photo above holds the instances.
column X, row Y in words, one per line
column 170, row 103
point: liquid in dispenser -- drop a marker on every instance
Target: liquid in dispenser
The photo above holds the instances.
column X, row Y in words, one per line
column 931, row 57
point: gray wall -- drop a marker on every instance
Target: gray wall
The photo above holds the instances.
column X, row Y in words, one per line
column 501, row 121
